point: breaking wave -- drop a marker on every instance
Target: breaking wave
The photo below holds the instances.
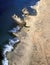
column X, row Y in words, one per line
column 8, row 48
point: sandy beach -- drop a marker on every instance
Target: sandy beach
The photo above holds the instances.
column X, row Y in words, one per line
column 34, row 48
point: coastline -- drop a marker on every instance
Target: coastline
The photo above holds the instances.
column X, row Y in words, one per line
column 3, row 18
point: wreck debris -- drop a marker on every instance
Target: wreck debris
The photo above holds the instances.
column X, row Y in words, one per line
column 25, row 11
column 19, row 21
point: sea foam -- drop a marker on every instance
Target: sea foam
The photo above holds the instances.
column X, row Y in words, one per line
column 5, row 61
column 14, row 30
column 8, row 48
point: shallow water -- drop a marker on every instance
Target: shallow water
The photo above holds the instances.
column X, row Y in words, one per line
column 7, row 9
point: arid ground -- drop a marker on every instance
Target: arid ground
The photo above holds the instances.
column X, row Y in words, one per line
column 34, row 48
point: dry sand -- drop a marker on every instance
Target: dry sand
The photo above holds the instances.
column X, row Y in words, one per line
column 34, row 48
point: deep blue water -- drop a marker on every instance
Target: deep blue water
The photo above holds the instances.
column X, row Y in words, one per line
column 7, row 9
column 19, row 4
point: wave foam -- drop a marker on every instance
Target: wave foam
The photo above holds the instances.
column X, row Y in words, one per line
column 14, row 30
column 8, row 48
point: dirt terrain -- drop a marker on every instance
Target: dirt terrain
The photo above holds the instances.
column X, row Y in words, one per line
column 34, row 48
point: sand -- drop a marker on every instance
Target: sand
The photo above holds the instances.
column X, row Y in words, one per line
column 34, row 48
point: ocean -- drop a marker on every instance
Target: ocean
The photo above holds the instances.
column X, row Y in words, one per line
column 7, row 9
